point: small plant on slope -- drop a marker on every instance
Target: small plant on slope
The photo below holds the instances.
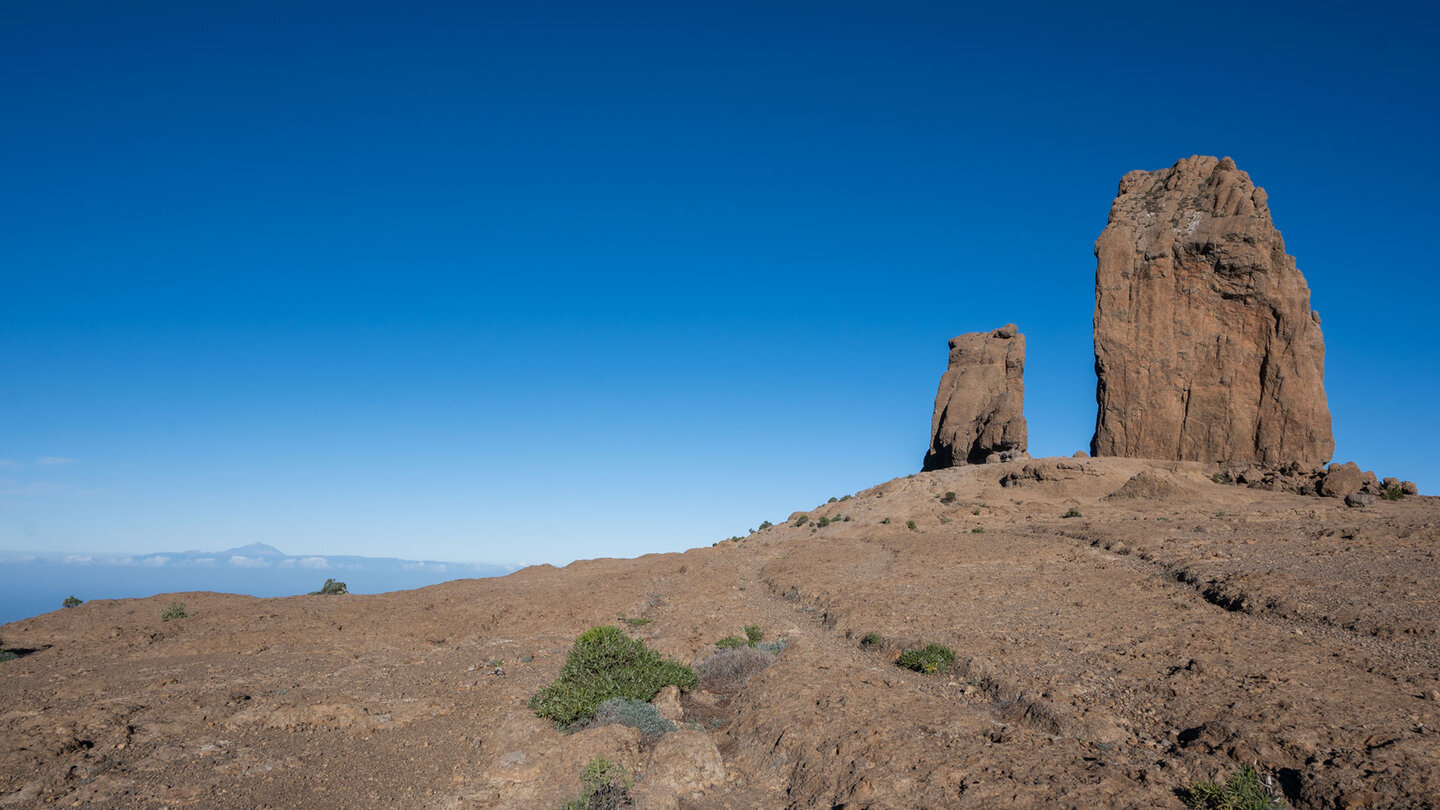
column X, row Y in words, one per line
column 1243, row 791
column 928, row 660
column 175, row 611
column 1072, row 512
column 71, row 601
column 604, row 785
column 605, row 663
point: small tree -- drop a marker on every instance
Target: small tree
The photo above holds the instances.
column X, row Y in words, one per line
column 71, row 601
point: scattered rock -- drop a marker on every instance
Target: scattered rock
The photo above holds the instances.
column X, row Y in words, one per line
column 1409, row 488
column 667, row 702
column 979, row 410
column 1206, row 348
column 1044, row 470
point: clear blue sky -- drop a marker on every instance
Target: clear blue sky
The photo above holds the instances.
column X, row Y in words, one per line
column 529, row 282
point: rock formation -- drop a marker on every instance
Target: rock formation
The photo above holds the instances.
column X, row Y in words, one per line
column 979, row 411
column 1206, row 347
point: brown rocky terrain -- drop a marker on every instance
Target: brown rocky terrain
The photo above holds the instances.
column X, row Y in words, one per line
column 1176, row 629
column 1206, row 348
column 980, row 407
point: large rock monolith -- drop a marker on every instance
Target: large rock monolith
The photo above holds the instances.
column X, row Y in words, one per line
column 980, row 409
column 1206, row 347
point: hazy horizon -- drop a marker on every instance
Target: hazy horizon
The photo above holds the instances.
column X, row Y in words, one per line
column 39, row 582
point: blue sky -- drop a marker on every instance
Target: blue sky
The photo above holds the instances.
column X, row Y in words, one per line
column 533, row 282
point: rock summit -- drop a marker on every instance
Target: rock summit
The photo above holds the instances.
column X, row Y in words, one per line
column 1206, row 348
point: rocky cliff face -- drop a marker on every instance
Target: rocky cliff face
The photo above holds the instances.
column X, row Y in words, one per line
column 979, row 410
column 1206, row 347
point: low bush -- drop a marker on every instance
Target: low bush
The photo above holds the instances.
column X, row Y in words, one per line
column 801, row 521
column 948, row 497
column 604, row 785
column 773, row 647
column 928, row 660
column 636, row 714
column 1222, row 477
column 1072, row 512
column 175, row 611
column 885, row 521
column 978, row 530
column 1394, row 493
column 605, row 663
column 823, row 521
column 730, row 669
column 1242, row 791
column 637, row 621
column 910, row 524
column 765, row 524
column 6, row 655
column 71, row 601
column 872, row 640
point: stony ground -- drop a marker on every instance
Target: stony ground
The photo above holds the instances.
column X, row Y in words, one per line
column 1176, row 630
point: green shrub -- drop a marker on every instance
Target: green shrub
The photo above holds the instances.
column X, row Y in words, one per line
column 71, row 601
column 753, row 634
column 948, row 497
column 175, row 611
column 604, row 785
column 928, row 660
column 1394, row 493
column 636, row 714
column 978, row 530
column 1243, row 791
column 823, row 521
column 1222, row 477
column 6, row 655
column 872, row 640
column 765, row 524
column 637, row 622
column 885, row 521
column 844, row 498
column 1072, row 512
column 605, row 663
column 800, row 521
column 331, row 588
column 731, row 643
column 832, row 500
column 773, row 647
column 910, row 524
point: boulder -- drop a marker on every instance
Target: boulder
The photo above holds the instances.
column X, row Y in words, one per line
column 979, row 410
column 1409, row 488
column 1359, row 499
column 1206, row 348
column 1341, row 480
